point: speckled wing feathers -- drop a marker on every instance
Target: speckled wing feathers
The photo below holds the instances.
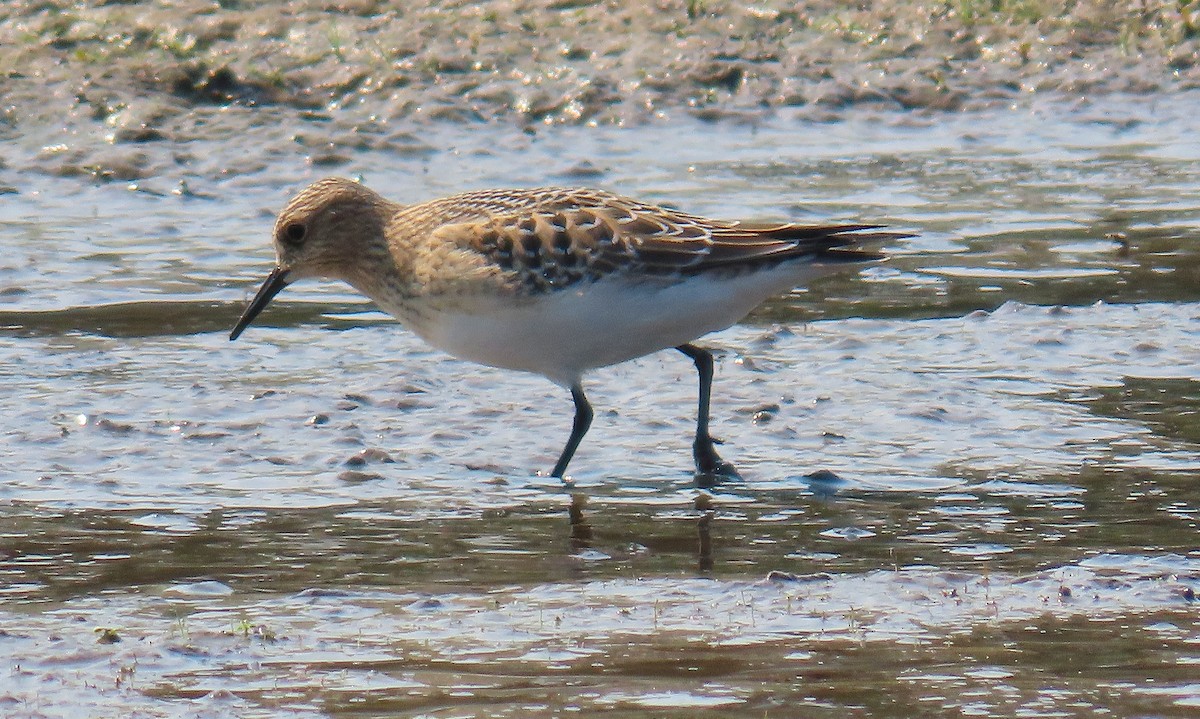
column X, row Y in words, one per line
column 553, row 238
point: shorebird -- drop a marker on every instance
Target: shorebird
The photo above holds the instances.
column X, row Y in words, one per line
column 554, row 281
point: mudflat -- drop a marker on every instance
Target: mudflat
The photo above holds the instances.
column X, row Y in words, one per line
column 138, row 67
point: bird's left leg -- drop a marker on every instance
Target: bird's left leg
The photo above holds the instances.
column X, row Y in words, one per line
column 583, row 420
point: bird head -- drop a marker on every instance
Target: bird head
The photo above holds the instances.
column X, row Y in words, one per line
column 325, row 231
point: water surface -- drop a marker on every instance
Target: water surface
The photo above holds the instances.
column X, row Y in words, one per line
column 327, row 518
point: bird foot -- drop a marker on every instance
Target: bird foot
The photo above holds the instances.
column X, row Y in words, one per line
column 711, row 470
column 711, row 477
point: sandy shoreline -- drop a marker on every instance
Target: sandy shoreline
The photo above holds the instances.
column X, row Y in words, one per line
column 102, row 91
column 574, row 61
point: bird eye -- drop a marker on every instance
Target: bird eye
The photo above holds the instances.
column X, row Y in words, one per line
column 293, row 233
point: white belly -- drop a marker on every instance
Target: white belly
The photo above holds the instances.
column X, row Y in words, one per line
column 564, row 334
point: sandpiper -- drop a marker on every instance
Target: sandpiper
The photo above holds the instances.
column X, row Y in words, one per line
column 554, row 281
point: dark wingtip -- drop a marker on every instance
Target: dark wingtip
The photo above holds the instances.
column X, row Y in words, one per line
column 846, row 244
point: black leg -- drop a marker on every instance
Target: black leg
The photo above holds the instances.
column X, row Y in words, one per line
column 583, row 420
column 708, row 462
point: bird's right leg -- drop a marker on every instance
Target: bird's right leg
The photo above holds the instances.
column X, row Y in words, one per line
column 583, row 420
column 709, row 465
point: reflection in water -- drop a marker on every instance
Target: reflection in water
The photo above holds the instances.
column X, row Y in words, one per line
column 581, row 531
column 582, row 535
column 704, row 531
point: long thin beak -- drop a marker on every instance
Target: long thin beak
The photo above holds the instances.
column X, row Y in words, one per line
column 275, row 282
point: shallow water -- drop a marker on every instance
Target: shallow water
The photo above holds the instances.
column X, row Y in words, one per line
column 326, row 518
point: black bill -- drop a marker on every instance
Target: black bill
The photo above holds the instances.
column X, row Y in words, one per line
column 275, row 282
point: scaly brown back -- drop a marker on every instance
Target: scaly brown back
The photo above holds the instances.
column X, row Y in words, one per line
column 552, row 238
